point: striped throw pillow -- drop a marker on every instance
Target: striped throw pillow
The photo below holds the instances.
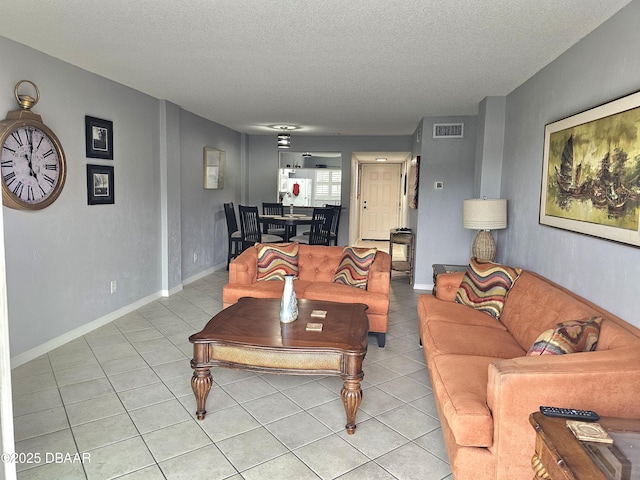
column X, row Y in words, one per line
column 275, row 260
column 354, row 266
column 568, row 337
column 485, row 286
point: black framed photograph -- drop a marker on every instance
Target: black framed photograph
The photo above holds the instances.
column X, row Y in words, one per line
column 99, row 185
column 99, row 138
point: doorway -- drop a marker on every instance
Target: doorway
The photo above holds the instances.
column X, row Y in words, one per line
column 379, row 201
column 378, row 197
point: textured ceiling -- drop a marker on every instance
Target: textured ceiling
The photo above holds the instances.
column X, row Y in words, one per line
column 348, row 67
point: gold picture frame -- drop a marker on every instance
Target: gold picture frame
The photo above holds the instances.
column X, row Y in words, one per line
column 591, row 172
column 214, row 168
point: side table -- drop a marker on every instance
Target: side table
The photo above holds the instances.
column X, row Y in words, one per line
column 406, row 238
column 439, row 268
column 560, row 455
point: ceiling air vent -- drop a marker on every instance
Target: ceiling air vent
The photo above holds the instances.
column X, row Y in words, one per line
column 448, row 130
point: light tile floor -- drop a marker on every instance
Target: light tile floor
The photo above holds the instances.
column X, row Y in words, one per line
column 121, row 396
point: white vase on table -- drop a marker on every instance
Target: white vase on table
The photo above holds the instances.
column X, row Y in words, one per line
column 289, row 304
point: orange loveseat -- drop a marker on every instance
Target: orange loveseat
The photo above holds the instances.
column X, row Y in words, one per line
column 485, row 386
column 317, row 264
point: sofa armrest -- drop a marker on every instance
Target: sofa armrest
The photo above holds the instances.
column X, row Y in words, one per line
column 604, row 381
column 447, row 285
column 379, row 277
column 607, row 381
column 243, row 269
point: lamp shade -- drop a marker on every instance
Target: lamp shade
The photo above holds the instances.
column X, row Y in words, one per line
column 484, row 214
column 284, row 140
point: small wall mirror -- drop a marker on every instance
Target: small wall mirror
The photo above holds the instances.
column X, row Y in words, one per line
column 310, row 179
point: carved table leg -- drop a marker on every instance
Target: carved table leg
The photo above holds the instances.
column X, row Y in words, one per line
column 201, row 385
column 351, row 395
column 538, row 469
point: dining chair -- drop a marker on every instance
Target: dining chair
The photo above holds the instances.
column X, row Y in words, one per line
column 335, row 223
column 235, row 237
column 250, row 228
column 273, row 209
column 320, row 228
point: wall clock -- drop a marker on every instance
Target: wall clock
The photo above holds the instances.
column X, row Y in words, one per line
column 32, row 167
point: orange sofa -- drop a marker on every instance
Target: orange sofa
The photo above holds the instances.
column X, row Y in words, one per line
column 317, row 264
column 485, row 387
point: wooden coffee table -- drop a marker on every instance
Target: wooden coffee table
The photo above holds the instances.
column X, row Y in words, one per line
column 249, row 336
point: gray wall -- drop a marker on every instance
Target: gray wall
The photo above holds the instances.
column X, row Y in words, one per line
column 61, row 260
column 204, row 228
column 440, row 237
column 263, row 164
column 489, row 147
column 603, row 66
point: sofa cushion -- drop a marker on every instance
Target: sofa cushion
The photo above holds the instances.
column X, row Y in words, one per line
column 460, row 386
column 447, row 285
column 536, row 305
column 485, row 286
column 353, row 268
column 431, row 309
column 337, row 292
column 568, row 337
column 442, row 338
column 318, row 263
column 275, row 260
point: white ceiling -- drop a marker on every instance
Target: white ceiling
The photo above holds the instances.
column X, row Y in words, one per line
column 348, row 67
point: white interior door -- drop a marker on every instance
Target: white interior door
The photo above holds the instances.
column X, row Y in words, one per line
column 379, row 200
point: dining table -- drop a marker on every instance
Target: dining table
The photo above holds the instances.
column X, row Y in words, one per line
column 290, row 221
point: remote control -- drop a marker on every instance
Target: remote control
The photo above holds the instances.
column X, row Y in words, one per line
column 572, row 413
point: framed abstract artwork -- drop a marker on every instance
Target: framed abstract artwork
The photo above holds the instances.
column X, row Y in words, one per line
column 591, row 172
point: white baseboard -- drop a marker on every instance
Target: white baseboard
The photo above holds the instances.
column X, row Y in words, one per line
column 204, row 273
column 54, row 343
column 168, row 293
column 423, row 286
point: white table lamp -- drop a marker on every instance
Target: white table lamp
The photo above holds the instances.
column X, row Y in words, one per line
column 484, row 215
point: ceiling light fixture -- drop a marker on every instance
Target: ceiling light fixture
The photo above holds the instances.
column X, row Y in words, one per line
column 284, row 126
column 284, row 138
column 381, row 159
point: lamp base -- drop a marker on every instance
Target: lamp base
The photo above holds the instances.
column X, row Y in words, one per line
column 484, row 246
